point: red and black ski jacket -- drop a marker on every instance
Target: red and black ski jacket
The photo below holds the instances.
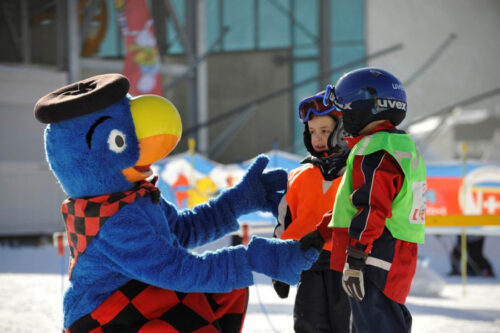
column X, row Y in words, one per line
column 376, row 180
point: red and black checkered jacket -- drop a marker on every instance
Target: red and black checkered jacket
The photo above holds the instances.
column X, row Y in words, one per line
column 138, row 307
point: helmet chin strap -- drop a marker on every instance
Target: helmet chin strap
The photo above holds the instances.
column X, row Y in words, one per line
column 336, row 142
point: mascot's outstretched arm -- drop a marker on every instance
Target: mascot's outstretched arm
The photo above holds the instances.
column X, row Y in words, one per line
column 259, row 190
column 153, row 258
column 130, row 266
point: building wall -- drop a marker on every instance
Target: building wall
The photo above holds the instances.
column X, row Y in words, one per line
column 258, row 31
column 235, row 80
column 450, row 53
column 30, row 197
column 20, row 87
column 467, row 67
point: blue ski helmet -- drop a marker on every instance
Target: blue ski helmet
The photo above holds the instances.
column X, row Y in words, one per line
column 365, row 95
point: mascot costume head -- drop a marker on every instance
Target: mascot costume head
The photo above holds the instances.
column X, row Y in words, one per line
column 131, row 268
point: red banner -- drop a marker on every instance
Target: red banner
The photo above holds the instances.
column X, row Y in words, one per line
column 442, row 196
column 476, row 194
column 142, row 62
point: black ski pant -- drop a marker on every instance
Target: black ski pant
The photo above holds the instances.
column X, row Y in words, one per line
column 321, row 304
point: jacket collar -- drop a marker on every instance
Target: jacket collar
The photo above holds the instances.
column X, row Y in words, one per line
column 352, row 141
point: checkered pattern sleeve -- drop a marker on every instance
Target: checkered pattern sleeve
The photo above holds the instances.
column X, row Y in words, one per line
column 204, row 224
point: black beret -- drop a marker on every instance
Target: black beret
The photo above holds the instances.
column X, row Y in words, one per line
column 81, row 98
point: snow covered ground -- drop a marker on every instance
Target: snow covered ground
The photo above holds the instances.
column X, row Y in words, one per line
column 31, row 291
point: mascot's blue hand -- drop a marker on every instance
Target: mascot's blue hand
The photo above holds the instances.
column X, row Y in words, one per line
column 275, row 181
column 258, row 190
column 281, row 260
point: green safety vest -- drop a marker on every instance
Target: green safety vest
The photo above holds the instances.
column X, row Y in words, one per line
column 408, row 208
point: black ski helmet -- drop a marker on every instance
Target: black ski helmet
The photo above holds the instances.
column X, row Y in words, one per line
column 314, row 105
column 365, row 95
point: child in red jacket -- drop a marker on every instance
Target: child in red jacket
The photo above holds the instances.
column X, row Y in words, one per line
column 381, row 200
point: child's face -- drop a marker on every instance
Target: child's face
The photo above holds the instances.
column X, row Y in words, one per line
column 320, row 128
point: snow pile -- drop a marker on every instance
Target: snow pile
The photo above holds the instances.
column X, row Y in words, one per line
column 426, row 282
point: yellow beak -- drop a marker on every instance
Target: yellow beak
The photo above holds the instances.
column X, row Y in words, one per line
column 158, row 128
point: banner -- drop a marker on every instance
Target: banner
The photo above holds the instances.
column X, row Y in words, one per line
column 449, row 193
column 142, row 62
column 190, row 179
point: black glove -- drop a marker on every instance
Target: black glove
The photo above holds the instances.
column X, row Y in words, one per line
column 281, row 288
column 352, row 277
column 312, row 239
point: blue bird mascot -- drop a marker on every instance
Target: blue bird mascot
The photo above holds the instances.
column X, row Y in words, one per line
column 131, row 269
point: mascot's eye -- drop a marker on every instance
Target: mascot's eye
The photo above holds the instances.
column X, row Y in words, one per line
column 116, row 141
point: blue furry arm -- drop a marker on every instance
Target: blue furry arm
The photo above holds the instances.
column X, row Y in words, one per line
column 140, row 252
column 207, row 222
column 201, row 225
column 281, row 260
column 142, row 248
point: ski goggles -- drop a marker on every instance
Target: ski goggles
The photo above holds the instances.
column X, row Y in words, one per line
column 329, row 95
column 314, row 105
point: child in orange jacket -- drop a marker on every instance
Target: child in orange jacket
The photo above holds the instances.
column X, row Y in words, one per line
column 320, row 304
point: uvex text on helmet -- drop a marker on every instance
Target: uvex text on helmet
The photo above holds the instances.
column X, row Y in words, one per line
column 369, row 94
